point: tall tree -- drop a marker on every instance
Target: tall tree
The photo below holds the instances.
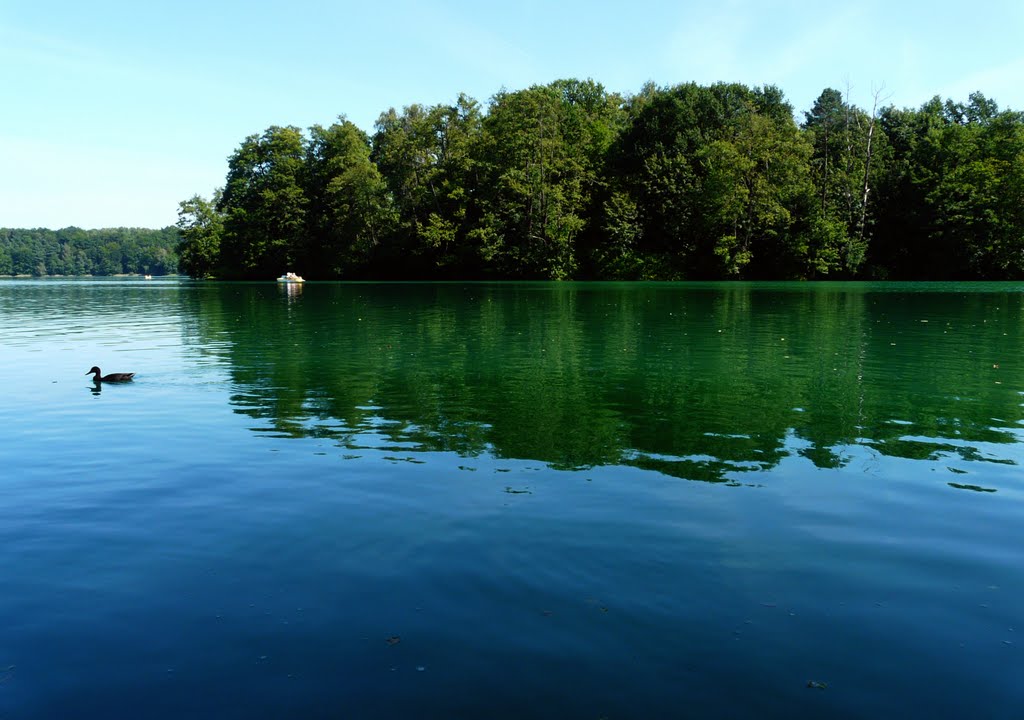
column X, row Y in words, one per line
column 755, row 192
column 264, row 204
column 349, row 205
column 707, row 182
column 846, row 167
column 426, row 155
column 542, row 161
column 200, row 226
column 952, row 203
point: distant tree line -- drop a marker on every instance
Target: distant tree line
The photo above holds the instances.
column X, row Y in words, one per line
column 74, row 251
column 568, row 180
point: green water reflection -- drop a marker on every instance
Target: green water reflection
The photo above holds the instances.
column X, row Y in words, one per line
column 703, row 382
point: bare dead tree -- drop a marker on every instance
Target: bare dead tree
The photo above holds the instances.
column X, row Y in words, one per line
column 866, row 189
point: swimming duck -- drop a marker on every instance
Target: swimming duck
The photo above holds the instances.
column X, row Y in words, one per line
column 112, row 377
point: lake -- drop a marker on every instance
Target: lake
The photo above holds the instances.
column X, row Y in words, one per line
column 511, row 500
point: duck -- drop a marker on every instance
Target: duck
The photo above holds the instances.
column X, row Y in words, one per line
column 112, row 377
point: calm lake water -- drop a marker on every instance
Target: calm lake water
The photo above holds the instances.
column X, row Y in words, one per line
column 511, row 500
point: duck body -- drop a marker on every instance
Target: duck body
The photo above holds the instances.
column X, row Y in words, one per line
column 112, row 377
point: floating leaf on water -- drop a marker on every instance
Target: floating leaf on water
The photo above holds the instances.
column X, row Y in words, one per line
column 393, row 640
column 814, row 684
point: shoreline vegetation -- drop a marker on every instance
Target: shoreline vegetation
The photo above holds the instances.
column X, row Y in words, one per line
column 571, row 181
column 74, row 252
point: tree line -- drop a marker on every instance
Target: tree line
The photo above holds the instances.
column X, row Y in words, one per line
column 74, row 251
column 571, row 181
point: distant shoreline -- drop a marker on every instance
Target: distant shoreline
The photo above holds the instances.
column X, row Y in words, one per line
column 74, row 252
column 26, row 276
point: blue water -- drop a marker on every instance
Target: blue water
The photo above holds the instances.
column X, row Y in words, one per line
column 508, row 501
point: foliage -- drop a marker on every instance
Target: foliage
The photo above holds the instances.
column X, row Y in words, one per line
column 846, row 164
column 201, row 227
column 954, row 203
column 74, row 251
column 426, row 156
column 541, row 157
column 719, row 179
column 264, row 204
column 350, row 210
column 567, row 180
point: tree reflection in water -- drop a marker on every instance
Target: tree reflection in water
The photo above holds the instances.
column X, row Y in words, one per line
column 698, row 381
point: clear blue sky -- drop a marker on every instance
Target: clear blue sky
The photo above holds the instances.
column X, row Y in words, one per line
column 113, row 112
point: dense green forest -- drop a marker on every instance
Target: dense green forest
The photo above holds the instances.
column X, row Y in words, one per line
column 74, row 251
column 568, row 180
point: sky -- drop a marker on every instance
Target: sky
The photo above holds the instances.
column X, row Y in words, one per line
column 111, row 113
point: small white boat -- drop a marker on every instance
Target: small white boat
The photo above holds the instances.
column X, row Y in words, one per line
column 148, row 277
column 290, row 277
